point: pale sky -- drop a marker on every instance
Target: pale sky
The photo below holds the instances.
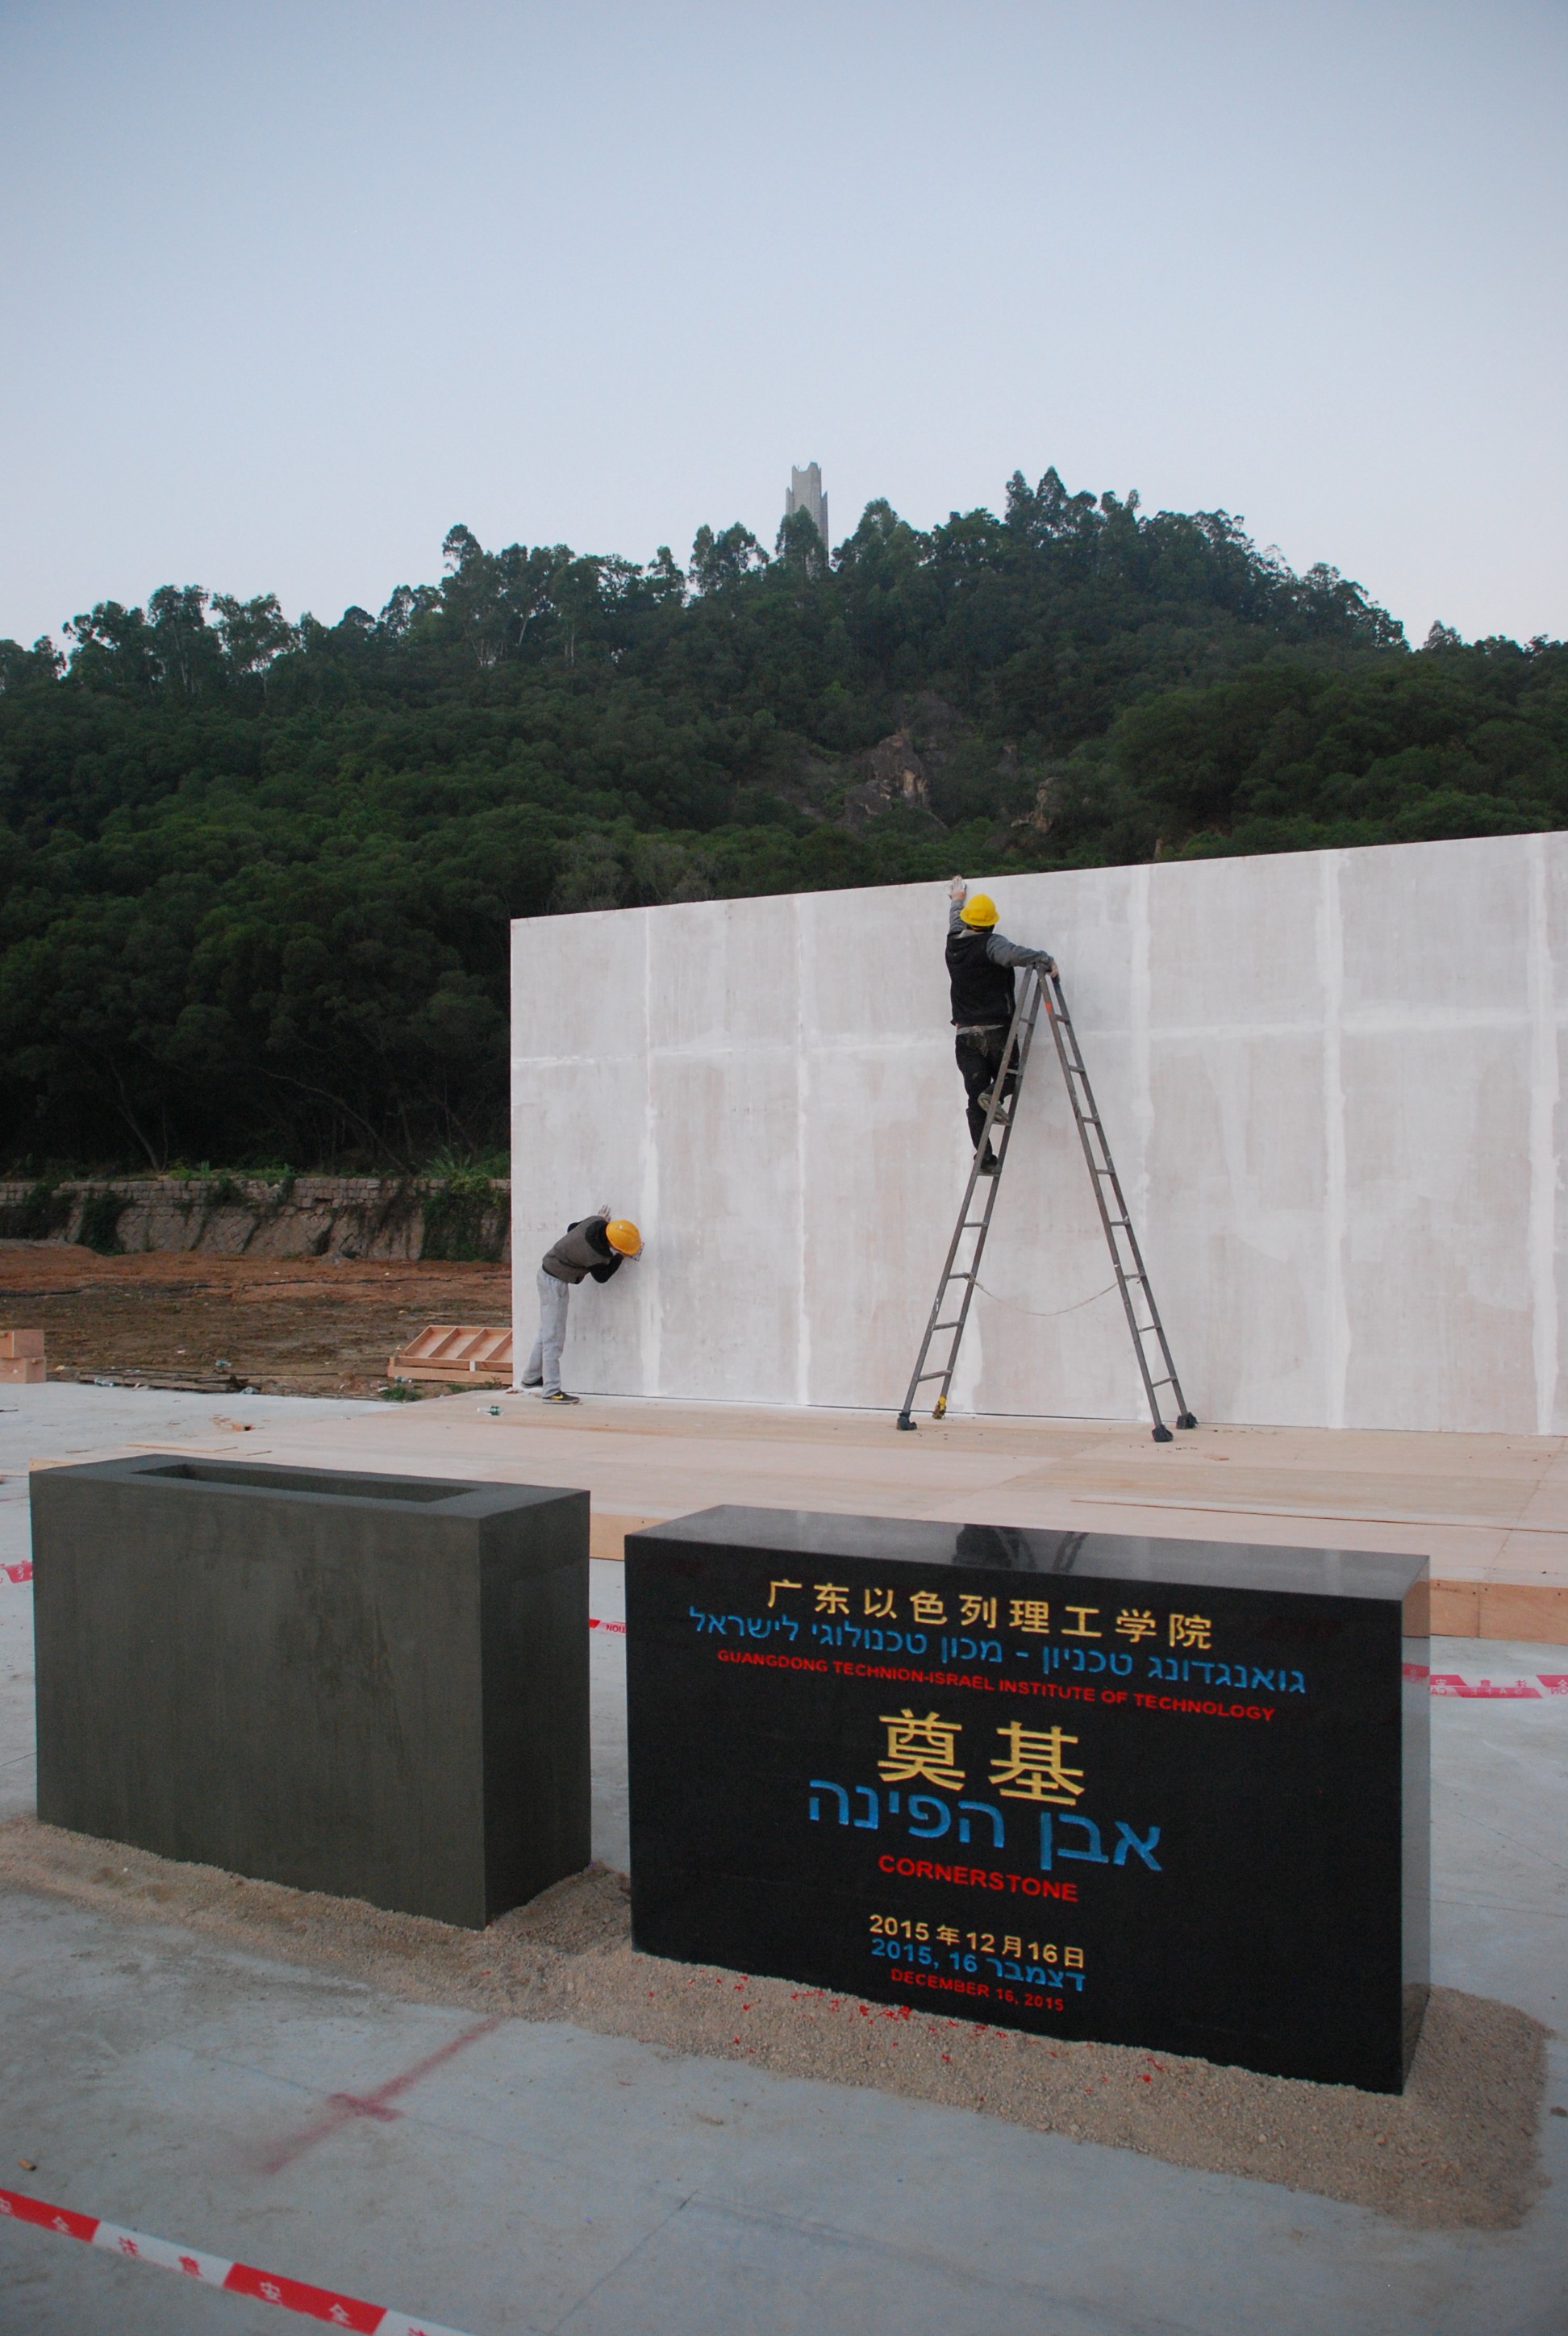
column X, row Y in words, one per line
column 287, row 289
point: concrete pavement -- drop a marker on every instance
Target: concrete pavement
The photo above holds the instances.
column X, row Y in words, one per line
column 543, row 2179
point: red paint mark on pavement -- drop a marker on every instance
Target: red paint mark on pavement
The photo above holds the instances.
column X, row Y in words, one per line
column 343, row 2107
column 311, row 2302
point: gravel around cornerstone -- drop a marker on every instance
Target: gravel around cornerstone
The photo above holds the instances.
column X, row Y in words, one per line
column 1456, row 2150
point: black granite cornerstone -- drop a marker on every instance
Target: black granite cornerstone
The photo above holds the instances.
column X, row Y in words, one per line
column 1162, row 1793
column 376, row 1686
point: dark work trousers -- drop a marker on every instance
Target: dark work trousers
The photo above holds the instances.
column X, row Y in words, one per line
column 977, row 1054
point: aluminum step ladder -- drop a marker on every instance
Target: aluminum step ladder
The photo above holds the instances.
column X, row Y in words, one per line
column 1137, row 1298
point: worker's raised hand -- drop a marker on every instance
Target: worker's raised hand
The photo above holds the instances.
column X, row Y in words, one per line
column 957, row 890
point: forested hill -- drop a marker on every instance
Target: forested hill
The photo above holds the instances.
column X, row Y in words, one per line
column 257, row 875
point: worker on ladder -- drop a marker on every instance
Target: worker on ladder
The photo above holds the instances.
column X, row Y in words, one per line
column 981, row 969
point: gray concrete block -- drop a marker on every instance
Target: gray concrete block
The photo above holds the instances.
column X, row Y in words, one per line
column 370, row 1684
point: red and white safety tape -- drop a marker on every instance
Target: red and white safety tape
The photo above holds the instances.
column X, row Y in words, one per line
column 1519, row 1690
column 240, row 2279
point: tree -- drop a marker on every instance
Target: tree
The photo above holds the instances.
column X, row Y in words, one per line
column 255, row 876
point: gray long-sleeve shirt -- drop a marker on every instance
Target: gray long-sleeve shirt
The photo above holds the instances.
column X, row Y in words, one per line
column 581, row 1249
column 999, row 949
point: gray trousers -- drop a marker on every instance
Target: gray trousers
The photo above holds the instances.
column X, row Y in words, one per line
column 545, row 1356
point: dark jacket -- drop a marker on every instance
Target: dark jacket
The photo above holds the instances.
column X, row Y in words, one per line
column 980, row 972
column 583, row 1248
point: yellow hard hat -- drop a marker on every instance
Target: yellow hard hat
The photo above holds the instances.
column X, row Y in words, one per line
column 623, row 1237
column 980, row 910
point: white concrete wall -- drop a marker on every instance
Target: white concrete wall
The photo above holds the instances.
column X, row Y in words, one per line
column 1331, row 1083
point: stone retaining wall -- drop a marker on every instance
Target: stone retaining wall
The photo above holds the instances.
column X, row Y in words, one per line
column 259, row 1216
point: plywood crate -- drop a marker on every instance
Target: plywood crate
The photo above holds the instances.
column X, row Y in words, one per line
column 455, row 1350
column 21, row 1362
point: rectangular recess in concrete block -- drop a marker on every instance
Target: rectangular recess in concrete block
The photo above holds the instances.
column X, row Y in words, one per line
column 1159, row 1792
column 375, row 1685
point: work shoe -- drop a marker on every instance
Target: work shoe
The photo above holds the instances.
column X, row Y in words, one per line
column 533, row 1383
column 984, row 1101
column 990, row 1164
column 560, row 1395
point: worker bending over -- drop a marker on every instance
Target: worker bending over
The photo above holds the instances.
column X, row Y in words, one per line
column 598, row 1245
column 980, row 963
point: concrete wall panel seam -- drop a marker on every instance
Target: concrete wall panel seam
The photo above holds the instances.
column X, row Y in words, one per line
column 1544, row 1165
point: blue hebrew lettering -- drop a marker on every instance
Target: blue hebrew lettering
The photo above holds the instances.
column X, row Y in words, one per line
column 1097, row 1661
column 1045, row 1841
column 1296, row 1684
column 895, row 1639
column 868, row 1824
column 894, row 1802
column 909, row 1645
column 1036, row 1977
column 1122, row 1665
column 1268, row 1680
column 1145, row 1847
column 853, row 1633
column 983, row 1808
column 820, row 1785
column 874, row 1645
column 947, row 1648
column 932, row 1827
column 965, row 1650
column 1011, row 1971
column 759, row 1626
column 990, row 1650
column 787, row 1622
column 1094, row 1854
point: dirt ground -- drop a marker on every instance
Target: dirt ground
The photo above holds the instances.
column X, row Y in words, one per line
column 1456, row 2150
column 284, row 1325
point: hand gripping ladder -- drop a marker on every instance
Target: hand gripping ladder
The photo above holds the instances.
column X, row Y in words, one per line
column 1126, row 1258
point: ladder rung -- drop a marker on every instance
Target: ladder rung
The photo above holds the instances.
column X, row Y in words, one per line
column 929, row 1375
column 943, row 1325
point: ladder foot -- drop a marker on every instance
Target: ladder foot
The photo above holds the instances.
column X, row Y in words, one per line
column 905, row 1421
column 1163, row 1436
column 1186, row 1420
